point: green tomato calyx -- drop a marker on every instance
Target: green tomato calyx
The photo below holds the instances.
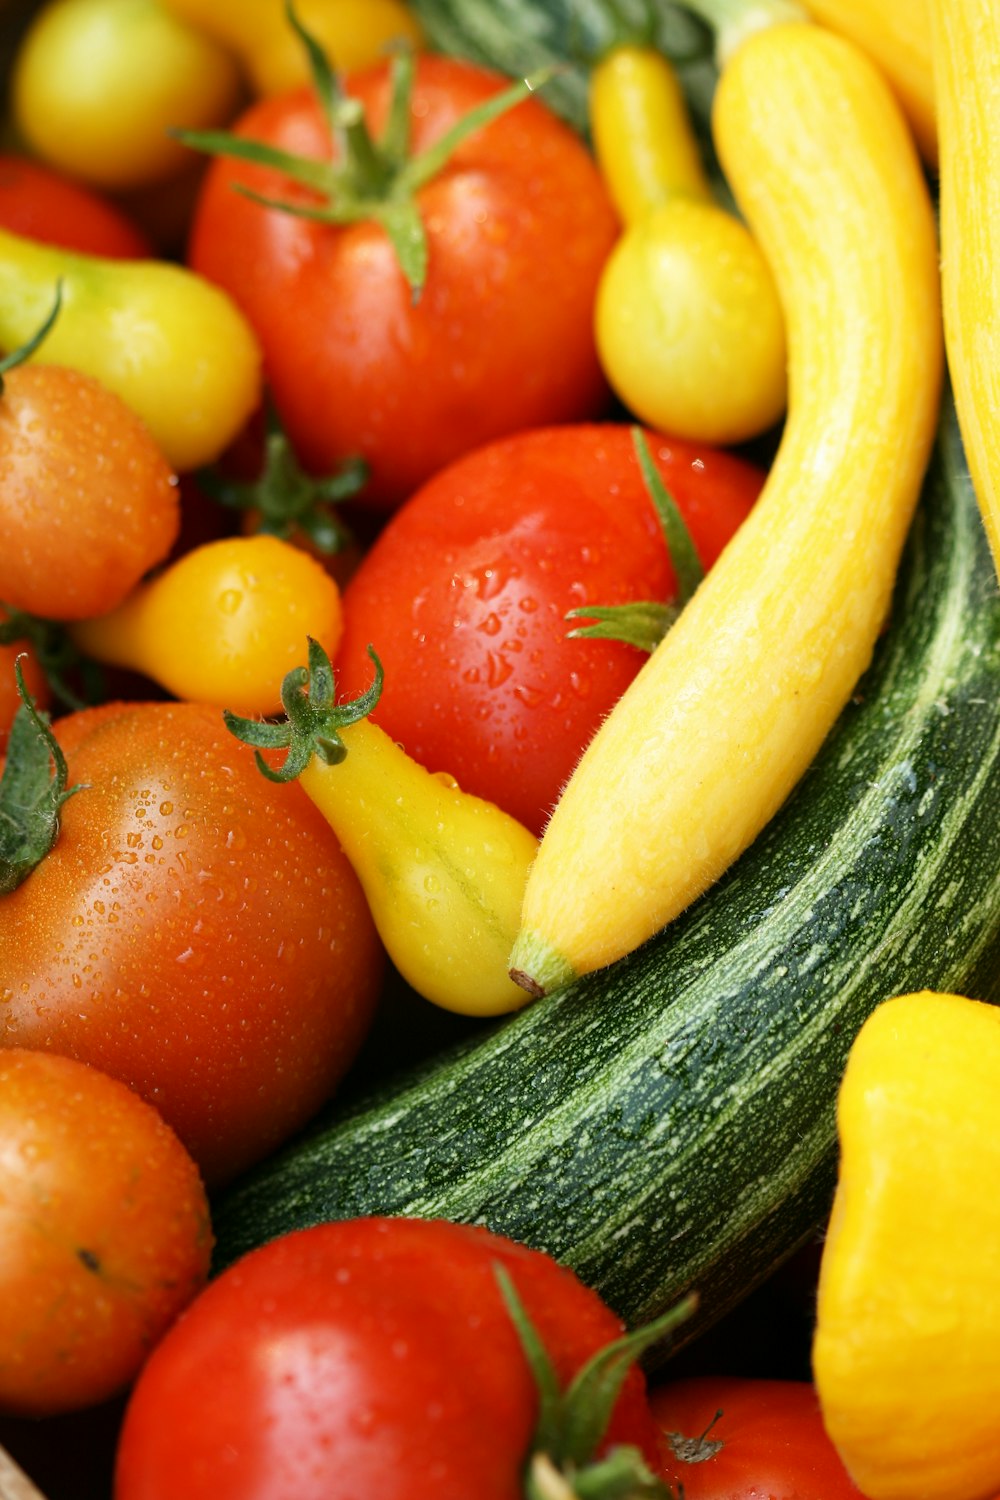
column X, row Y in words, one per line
column 313, row 719
column 23, row 352
column 366, row 179
column 572, row 1422
column 644, row 622
column 32, row 791
column 287, row 499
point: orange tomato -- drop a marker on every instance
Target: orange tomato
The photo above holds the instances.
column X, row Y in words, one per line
column 104, row 1233
column 88, row 502
column 194, row 931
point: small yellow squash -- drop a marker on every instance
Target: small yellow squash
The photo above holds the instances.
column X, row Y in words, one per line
column 907, row 1344
column 966, row 37
column 727, row 713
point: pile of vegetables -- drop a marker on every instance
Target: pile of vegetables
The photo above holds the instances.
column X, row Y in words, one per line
column 499, row 642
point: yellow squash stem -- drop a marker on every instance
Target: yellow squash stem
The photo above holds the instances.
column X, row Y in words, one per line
column 730, row 709
column 966, row 42
column 896, row 34
column 907, row 1346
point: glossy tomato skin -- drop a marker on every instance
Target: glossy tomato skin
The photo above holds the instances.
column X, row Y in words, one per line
column 773, row 1440
column 88, row 501
column 195, row 931
column 465, row 592
column 105, row 1232
column 39, row 202
column 370, row 1357
column 518, row 225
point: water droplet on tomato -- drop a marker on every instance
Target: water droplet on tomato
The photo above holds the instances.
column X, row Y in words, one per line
column 229, row 601
column 498, row 669
column 531, row 697
column 494, row 578
column 491, row 625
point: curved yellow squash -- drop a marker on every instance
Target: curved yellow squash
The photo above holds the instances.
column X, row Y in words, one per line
column 907, row 1346
column 966, row 37
column 896, row 34
column 730, row 709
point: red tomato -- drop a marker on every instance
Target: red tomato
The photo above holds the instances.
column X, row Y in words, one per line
column 371, row 1357
column 195, row 931
column 772, row 1442
column 464, row 596
column 88, row 502
column 518, row 226
column 106, row 1233
column 40, row 203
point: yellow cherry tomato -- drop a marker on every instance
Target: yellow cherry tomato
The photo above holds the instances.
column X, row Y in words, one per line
column 689, row 327
column 223, row 624
column 353, row 33
column 97, row 85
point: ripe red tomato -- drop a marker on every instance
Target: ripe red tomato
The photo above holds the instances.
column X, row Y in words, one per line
column 37, row 201
column 464, row 596
column 518, row 225
column 88, row 502
column 370, row 1357
column 106, row 1233
column 195, row 931
column 771, row 1439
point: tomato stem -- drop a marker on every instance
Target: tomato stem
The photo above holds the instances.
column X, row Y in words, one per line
column 313, row 719
column 24, row 351
column 32, row 791
column 572, row 1422
column 643, row 622
column 56, row 655
column 367, row 179
column 287, row 498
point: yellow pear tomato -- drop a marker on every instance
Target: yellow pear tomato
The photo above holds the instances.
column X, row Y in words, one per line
column 689, row 327
column 97, row 85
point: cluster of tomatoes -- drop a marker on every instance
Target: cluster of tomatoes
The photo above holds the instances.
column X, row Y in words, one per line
column 188, row 965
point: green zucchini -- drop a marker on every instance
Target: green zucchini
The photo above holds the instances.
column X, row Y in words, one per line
column 668, row 1123
column 518, row 37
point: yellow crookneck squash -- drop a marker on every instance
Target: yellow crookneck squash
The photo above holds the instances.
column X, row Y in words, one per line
column 966, row 41
column 907, row 1345
column 730, row 709
column 896, row 34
